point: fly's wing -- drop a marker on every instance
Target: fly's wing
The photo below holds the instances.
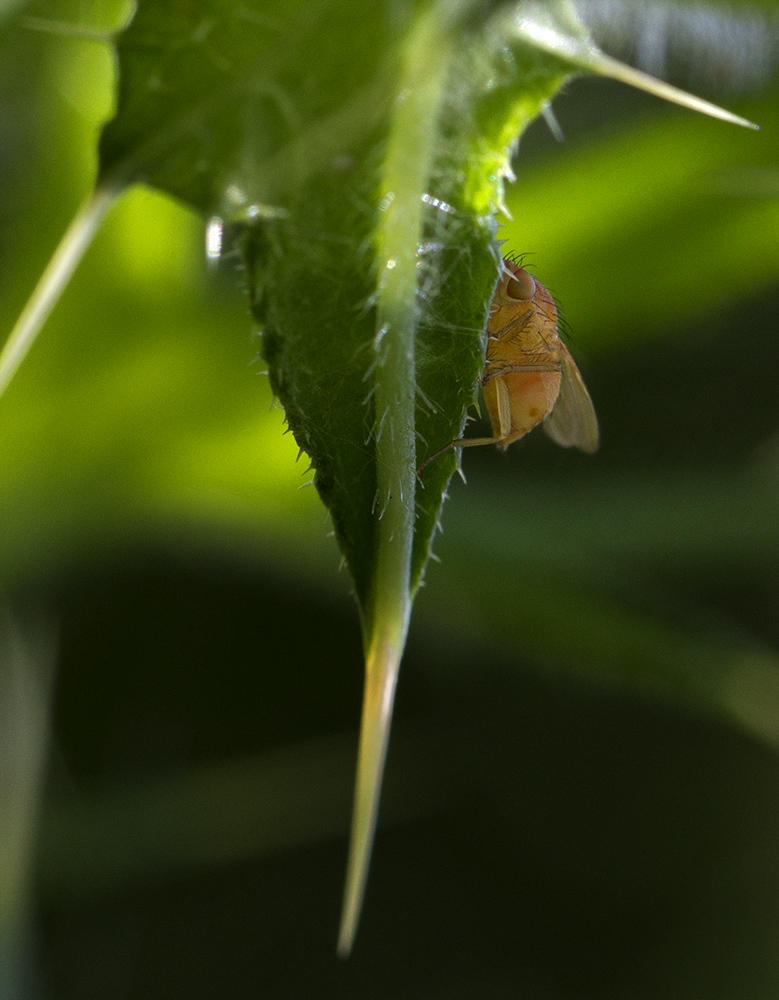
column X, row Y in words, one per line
column 572, row 422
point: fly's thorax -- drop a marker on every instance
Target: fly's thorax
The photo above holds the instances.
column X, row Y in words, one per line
column 503, row 358
column 525, row 325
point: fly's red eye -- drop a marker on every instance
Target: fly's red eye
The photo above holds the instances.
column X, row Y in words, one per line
column 522, row 286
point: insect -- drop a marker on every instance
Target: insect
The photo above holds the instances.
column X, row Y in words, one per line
column 529, row 376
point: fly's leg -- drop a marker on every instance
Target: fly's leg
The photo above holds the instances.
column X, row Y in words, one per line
column 504, row 416
column 460, row 443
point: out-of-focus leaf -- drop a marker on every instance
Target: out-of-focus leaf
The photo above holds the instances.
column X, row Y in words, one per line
column 604, row 523
column 222, row 814
column 95, row 20
column 136, row 422
column 8, row 7
column 672, row 222
column 26, row 656
column 531, row 616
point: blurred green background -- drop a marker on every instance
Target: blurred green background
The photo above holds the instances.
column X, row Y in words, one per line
column 582, row 796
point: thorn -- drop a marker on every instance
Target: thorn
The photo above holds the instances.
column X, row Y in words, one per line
column 503, row 209
column 552, row 122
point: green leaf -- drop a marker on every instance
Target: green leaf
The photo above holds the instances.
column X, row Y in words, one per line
column 356, row 157
column 359, row 173
column 650, row 203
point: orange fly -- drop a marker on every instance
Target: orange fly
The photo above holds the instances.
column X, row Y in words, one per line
column 529, row 376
